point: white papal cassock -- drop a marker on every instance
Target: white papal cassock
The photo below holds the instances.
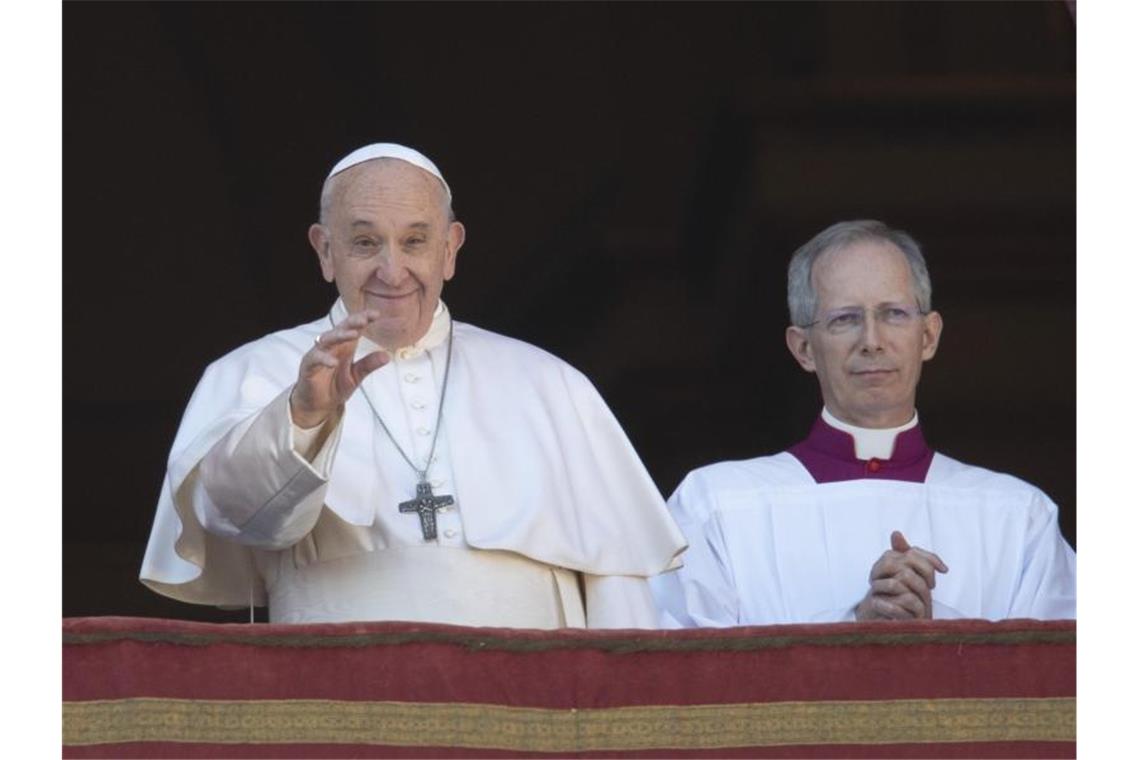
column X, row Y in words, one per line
column 555, row 521
column 791, row 538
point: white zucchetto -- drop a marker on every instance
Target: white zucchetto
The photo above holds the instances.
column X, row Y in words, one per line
column 391, row 150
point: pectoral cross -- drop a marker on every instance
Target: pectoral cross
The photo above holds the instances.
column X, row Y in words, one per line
column 426, row 503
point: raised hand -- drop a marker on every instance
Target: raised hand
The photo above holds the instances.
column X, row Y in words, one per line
column 329, row 375
column 901, row 583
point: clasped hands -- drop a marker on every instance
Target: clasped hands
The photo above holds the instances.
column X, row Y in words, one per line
column 901, row 583
column 330, row 373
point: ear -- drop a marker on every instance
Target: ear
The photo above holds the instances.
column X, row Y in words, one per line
column 931, row 333
column 456, row 234
column 800, row 346
column 321, row 242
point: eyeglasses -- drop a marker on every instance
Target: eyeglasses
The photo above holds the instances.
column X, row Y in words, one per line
column 851, row 320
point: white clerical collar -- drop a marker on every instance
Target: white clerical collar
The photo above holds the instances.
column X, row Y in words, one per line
column 435, row 335
column 870, row 443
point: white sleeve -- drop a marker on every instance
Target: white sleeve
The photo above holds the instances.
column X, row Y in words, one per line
column 255, row 487
column 619, row 601
column 1047, row 589
column 701, row 593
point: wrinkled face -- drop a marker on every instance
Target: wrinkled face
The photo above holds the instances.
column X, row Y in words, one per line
column 388, row 246
column 868, row 374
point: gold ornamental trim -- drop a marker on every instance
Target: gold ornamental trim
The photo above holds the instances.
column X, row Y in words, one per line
column 526, row 729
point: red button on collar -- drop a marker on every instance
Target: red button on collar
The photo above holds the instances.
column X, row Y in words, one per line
column 874, row 465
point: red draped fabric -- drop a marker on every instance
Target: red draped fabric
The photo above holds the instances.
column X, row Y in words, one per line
column 150, row 688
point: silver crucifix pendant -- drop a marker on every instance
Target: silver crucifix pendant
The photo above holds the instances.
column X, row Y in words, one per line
column 426, row 503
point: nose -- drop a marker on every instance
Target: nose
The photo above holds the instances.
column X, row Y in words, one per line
column 391, row 268
column 871, row 336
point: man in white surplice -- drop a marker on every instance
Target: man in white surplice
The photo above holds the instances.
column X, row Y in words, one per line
column 862, row 520
column 385, row 462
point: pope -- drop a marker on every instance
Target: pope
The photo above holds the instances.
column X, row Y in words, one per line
column 388, row 462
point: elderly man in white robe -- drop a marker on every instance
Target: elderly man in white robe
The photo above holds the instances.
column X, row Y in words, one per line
column 386, row 462
column 862, row 520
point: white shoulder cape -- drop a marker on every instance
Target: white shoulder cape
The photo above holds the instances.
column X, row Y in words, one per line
column 541, row 466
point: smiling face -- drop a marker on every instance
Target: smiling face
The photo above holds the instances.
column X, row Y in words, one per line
column 869, row 375
column 388, row 245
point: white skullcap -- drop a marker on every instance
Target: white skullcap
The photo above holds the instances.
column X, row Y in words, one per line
column 390, row 150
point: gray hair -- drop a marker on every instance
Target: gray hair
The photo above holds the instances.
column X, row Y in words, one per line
column 802, row 300
column 330, row 184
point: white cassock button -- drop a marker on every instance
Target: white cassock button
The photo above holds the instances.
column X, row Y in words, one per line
column 449, row 533
column 417, row 404
column 423, row 431
column 411, row 378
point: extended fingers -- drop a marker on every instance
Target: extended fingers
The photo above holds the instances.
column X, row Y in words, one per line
column 338, row 336
column 368, row 364
column 318, row 359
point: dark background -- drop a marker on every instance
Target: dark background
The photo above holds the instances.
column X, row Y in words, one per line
column 633, row 178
